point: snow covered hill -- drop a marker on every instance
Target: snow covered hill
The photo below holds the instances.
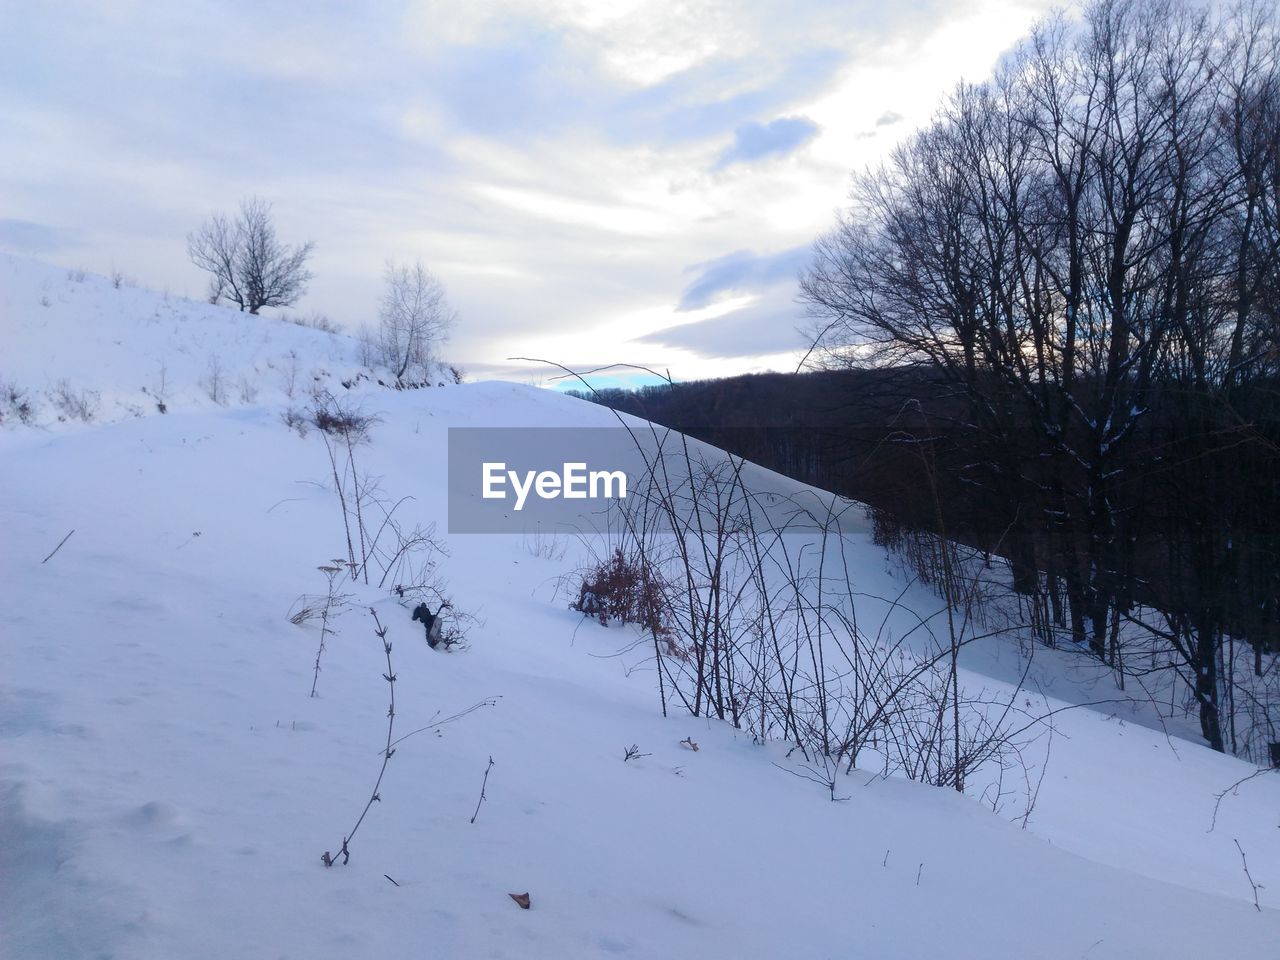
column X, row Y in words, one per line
column 79, row 349
column 168, row 785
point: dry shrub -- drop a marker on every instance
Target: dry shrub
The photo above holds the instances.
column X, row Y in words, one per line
column 624, row 589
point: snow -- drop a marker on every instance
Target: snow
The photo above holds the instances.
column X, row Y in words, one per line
column 128, row 349
column 167, row 786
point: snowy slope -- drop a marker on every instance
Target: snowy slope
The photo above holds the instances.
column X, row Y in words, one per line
column 124, row 351
column 167, row 786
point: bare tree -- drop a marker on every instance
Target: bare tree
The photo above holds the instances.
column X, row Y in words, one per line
column 1083, row 254
column 247, row 264
column 414, row 318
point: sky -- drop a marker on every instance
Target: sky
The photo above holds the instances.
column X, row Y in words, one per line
column 637, row 181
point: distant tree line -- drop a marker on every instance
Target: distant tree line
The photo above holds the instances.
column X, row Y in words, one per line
column 1062, row 298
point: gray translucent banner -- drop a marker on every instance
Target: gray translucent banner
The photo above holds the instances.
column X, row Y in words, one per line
column 592, row 480
column 547, row 479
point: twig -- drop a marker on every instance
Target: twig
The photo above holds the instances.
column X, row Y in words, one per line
column 814, row 776
column 389, row 878
column 486, row 702
column 919, row 870
column 330, row 571
column 1248, row 876
column 387, row 752
column 195, row 535
column 483, row 784
column 1034, row 795
column 58, row 547
column 1232, row 789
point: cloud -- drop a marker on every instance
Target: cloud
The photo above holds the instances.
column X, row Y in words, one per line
column 28, row 237
column 516, row 87
column 724, row 93
column 886, row 119
column 767, row 327
column 755, row 141
column 741, row 272
column 545, row 83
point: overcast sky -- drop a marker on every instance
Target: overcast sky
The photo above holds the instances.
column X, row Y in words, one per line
column 593, row 182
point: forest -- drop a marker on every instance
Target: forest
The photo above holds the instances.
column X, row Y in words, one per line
column 1046, row 327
